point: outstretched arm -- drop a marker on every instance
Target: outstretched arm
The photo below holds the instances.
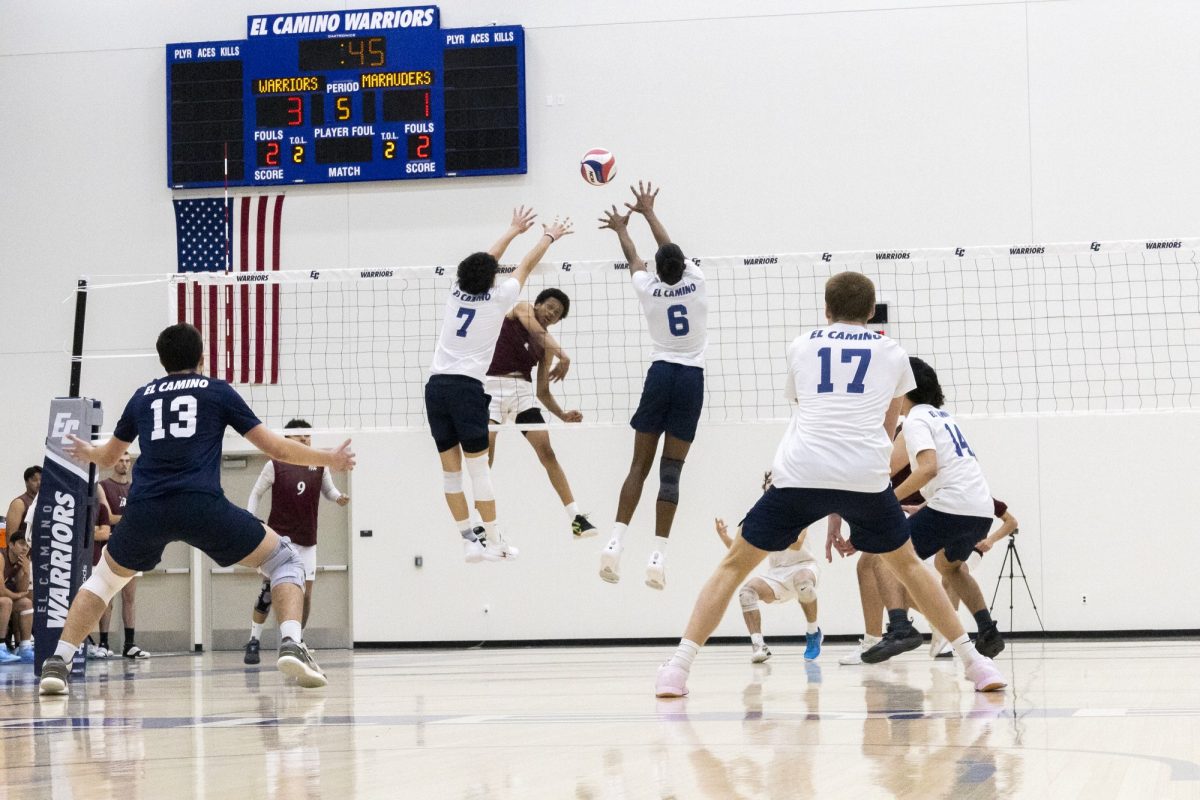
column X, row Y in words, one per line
column 522, row 219
column 619, row 223
column 544, row 375
column 102, row 455
column 523, row 313
column 292, row 452
column 644, row 204
column 1009, row 527
column 550, row 234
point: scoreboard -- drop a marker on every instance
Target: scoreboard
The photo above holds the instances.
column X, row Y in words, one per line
column 323, row 97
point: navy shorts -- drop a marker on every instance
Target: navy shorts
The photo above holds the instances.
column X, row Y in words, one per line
column 207, row 522
column 957, row 534
column 877, row 525
column 457, row 408
column 671, row 401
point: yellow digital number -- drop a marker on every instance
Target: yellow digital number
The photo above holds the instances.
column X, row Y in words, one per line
column 389, row 149
column 343, row 108
column 298, row 154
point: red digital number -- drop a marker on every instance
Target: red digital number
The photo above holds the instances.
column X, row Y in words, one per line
column 272, row 157
column 422, row 146
column 427, row 105
column 295, row 111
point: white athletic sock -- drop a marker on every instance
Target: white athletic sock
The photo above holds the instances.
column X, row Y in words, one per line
column 756, row 639
column 684, row 655
column 491, row 531
column 660, row 544
column 26, row 643
column 619, row 532
column 290, row 629
column 572, row 510
column 812, row 628
column 466, row 529
column 965, row 649
column 256, row 630
column 65, row 650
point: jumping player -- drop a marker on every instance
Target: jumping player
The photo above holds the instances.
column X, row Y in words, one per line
column 176, row 496
column 791, row 575
column 847, row 383
column 525, row 342
column 295, row 492
column 675, row 304
column 455, row 401
column 957, row 514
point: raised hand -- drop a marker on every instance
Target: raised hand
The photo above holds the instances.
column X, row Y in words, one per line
column 79, row 450
column 556, row 230
column 522, row 219
column 643, row 197
column 721, row 528
column 343, row 457
column 614, row 220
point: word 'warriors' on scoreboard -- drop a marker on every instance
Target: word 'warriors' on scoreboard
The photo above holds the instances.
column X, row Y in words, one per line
column 380, row 94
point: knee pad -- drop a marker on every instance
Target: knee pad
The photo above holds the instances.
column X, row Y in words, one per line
column 452, row 482
column 748, row 598
column 668, row 480
column 104, row 583
column 805, row 585
column 263, row 604
column 481, row 479
column 283, row 566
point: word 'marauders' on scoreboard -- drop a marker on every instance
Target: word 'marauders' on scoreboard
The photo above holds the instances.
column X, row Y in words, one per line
column 321, row 97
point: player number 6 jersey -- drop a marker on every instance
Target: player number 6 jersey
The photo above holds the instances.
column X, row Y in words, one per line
column 677, row 316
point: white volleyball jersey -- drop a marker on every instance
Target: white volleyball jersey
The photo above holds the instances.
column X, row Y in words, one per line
column 959, row 486
column 842, row 379
column 677, row 315
column 470, row 329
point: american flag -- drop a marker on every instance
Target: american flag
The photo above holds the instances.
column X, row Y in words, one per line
column 232, row 235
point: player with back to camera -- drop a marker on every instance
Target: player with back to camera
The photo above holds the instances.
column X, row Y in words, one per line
column 295, row 493
column 675, row 304
column 455, row 402
column 957, row 514
column 524, row 343
column 791, row 575
column 847, row 384
column 180, row 420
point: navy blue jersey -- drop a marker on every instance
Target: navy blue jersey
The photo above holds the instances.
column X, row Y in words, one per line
column 180, row 421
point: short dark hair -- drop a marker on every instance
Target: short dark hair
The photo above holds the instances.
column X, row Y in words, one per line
column 850, row 296
column 928, row 391
column 297, row 423
column 477, row 272
column 17, row 536
column 670, row 263
column 556, row 294
column 179, row 347
column 31, row 471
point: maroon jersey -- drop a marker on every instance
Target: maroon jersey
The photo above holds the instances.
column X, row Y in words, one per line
column 294, row 498
column 102, row 518
column 12, row 573
column 26, row 501
column 116, row 494
column 914, row 499
column 516, row 352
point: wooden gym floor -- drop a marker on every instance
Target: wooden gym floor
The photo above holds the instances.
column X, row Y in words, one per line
column 1081, row 719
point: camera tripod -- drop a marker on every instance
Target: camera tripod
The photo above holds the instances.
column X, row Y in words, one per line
column 1013, row 560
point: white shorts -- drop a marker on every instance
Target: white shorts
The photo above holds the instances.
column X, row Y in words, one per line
column 510, row 397
column 308, row 557
column 782, row 580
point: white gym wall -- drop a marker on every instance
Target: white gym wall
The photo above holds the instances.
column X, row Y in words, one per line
column 772, row 127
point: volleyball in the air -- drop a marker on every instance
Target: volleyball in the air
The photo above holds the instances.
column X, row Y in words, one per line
column 598, row 166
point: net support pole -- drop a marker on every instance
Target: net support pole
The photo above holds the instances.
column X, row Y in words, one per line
column 77, row 343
